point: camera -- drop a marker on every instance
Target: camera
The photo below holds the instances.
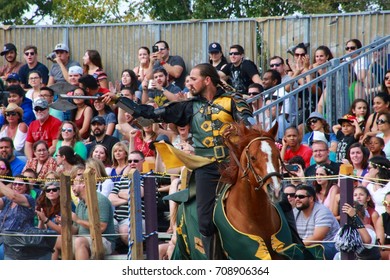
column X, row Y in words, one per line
column 155, row 49
column 51, row 57
column 292, row 167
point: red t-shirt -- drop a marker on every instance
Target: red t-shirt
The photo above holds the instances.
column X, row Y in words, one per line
column 48, row 131
column 141, row 145
column 304, row 151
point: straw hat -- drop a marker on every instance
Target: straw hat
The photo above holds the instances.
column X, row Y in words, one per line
column 12, row 107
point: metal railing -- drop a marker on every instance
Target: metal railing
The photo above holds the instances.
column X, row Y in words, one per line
column 339, row 82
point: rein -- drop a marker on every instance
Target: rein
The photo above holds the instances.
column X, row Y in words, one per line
column 249, row 167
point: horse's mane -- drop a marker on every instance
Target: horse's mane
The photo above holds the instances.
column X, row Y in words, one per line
column 238, row 139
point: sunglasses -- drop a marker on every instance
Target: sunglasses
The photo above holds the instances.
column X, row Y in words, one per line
column 51, row 190
column 381, row 121
column 67, row 130
column 133, row 160
column 387, row 78
column 8, row 114
column 275, row 65
column 234, row 53
column 29, row 53
column 300, row 54
column 312, row 121
column 301, row 196
column 350, row 48
column 289, row 195
column 39, row 109
column 386, row 203
column 17, row 184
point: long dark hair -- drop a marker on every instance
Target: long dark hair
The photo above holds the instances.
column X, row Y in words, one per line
column 86, row 102
column 95, row 59
column 329, row 172
column 383, row 165
column 383, row 86
column 353, row 106
column 134, row 80
column 70, row 156
column 44, row 203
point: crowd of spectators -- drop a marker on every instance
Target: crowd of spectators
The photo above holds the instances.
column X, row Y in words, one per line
column 36, row 138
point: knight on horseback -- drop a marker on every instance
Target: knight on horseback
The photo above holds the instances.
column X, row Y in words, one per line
column 209, row 113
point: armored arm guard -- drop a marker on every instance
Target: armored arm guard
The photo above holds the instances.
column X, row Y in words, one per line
column 242, row 111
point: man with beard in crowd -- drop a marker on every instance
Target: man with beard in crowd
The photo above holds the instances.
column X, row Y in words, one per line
column 98, row 129
column 160, row 91
column 12, row 65
column 7, row 152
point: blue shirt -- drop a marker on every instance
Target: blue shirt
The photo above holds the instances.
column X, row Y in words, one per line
column 17, row 166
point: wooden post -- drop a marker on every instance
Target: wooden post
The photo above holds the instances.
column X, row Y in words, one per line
column 151, row 217
column 66, row 218
column 346, row 196
column 93, row 215
column 135, row 215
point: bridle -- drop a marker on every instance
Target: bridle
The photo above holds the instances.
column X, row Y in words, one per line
column 249, row 166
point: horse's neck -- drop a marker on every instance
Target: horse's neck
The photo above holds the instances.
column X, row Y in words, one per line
column 246, row 197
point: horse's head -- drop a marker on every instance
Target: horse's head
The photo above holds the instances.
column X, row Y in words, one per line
column 254, row 157
column 262, row 163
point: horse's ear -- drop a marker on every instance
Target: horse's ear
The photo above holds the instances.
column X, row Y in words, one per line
column 257, row 126
column 274, row 130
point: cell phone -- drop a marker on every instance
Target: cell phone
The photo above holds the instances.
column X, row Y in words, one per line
column 292, row 167
column 155, row 49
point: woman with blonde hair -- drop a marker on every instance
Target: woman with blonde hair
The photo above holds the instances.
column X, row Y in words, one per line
column 104, row 185
column 120, row 152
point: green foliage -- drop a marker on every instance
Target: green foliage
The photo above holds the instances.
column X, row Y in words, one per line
column 92, row 11
column 12, row 11
column 111, row 11
column 167, row 9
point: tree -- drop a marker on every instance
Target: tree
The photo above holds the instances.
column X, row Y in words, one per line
column 13, row 12
column 220, row 9
column 94, row 11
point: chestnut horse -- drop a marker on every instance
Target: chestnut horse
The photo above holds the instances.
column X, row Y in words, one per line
column 254, row 177
column 250, row 223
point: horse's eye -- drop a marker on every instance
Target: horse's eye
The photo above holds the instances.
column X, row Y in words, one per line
column 253, row 158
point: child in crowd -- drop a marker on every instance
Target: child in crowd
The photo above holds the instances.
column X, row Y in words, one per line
column 347, row 132
column 375, row 145
column 359, row 109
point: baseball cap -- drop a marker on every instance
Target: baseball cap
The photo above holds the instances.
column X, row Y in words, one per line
column 41, row 103
column 346, row 118
column 98, row 119
column 61, row 47
column 75, row 70
column 8, row 47
column 13, row 77
column 215, row 47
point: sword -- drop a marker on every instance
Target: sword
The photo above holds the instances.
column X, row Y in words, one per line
column 65, row 96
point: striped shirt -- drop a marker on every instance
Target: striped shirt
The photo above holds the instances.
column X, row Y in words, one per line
column 319, row 217
column 122, row 212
